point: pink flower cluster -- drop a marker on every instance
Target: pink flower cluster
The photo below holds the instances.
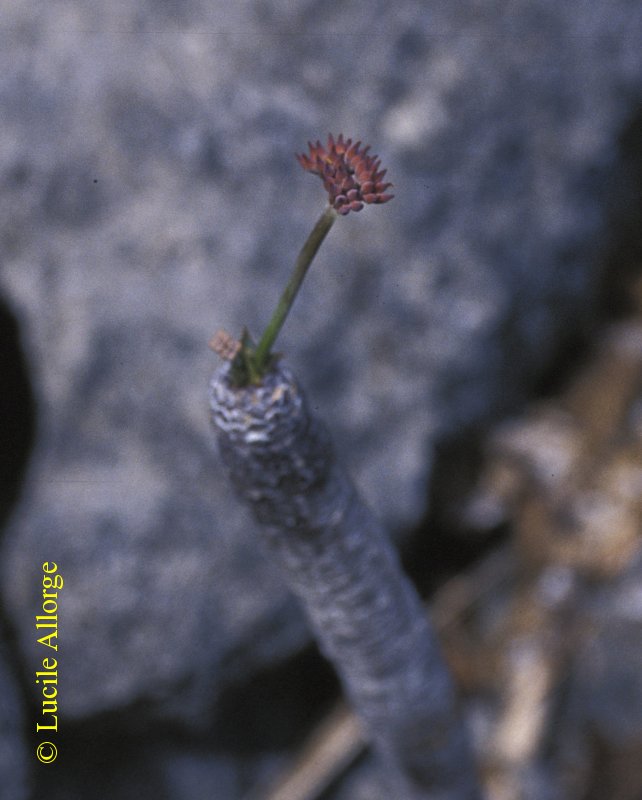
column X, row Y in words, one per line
column 350, row 176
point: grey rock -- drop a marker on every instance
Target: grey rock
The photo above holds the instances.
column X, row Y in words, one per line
column 194, row 776
column 149, row 196
column 151, row 768
column 365, row 781
column 608, row 669
column 599, row 728
column 15, row 781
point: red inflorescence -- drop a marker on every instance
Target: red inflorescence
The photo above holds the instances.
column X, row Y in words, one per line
column 350, row 176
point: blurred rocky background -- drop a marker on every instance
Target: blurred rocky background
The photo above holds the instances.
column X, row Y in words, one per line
column 149, row 195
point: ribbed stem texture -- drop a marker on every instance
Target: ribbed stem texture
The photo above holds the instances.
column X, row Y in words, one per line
column 335, row 556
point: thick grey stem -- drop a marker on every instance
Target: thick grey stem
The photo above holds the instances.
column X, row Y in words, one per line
column 337, row 559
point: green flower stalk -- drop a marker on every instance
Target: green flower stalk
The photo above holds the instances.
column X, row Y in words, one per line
column 308, row 251
column 333, row 551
